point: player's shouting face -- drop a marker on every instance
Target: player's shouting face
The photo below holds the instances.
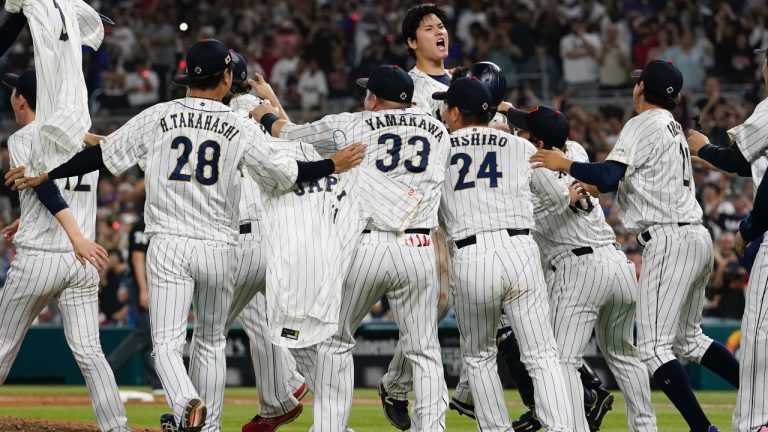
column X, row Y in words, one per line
column 431, row 40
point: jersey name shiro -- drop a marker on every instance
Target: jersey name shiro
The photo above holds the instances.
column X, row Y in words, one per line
column 752, row 139
column 193, row 150
column 561, row 227
column 658, row 185
column 38, row 229
column 487, row 183
column 424, row 86
column 406, row 145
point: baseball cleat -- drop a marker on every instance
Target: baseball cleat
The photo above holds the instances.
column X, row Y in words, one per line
column 603, row 404
column 193, row 418
column 396, row 411
column 713, row 428
column 527, row 423
column 168, row 423
column 462, row 408
column 269, row 424
column 301, row 392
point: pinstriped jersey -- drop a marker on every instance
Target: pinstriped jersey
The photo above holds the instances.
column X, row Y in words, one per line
column 38, row 229
column 193, row 150
column 560, row 227
column 406, row 145
column 424, row 86
column 59, row 28
column 487, row 183
column 752, row 139
column 658, row 185
column 250, row 194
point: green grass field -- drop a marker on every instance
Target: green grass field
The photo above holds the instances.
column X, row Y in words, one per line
column 367, row 415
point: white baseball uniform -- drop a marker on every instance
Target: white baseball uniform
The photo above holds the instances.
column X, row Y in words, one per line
column 487, row 210
column 594, row 289
column 193, row 150
column 46, row 269
column 59, row 28
column 408, row 146
column 751, row 405
column 424, row 86
column 274, row 367
column 658, row 202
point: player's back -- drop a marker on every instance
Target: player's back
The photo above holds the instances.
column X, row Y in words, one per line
column 38, row 229
column 487, row 183
column 192, row 150
column 658, row 184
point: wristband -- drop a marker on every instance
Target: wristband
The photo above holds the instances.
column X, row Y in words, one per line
column 268, row 120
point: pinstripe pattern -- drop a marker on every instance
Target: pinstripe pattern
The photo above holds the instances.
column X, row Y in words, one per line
column 752, row 139
column 62, row 100
column 752, row 402
column 184, row 272
column 653, row 190
column 598, row 292
column 677, row 262
column 506, row 271
column 27, row 290
column 385, row 263
column 424, row 86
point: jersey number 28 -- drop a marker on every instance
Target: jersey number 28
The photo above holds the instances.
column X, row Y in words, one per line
column 207, row 157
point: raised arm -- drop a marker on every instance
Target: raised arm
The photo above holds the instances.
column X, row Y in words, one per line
column 729, row 159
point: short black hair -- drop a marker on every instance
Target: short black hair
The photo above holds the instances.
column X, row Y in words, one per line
column 208, row 82
column 665, row 102
column 459, row 72
column 413, row 18
column 472, row 118
column 32, row 103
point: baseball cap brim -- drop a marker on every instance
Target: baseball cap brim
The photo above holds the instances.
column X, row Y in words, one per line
column 761, row 51
column 440, row 96
column 10, row 79
column 517, row 118
column 362, row 82
column 635, row 74
column 181, row 80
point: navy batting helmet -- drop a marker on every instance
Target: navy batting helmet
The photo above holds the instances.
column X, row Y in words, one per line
column 239, row 68
column 490, row 75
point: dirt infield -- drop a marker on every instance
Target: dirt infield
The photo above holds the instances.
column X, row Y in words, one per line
column 13, row 424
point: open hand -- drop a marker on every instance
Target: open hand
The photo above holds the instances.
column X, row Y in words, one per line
column 14, row 178
column 262, row 88
column 696, row 140
column 86, row 250
column 576, row 192
column 551, row 159
column 261, row 110
column 349, row 157
column 10, row 230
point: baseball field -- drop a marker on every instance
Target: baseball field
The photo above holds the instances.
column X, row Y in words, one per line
column 67, row 408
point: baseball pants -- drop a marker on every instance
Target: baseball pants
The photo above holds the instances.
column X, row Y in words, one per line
column 34, row 279
column 391, row 264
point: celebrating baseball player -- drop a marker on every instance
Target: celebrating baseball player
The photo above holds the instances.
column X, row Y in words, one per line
column 44, row 245
column 409, row 146
column 650, row 166
column 594, row 284
column 192, row 149
column 748, row 156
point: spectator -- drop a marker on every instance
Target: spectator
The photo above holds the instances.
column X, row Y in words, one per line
column 542, row 65
column 691, row 59
column 142, row 86
column 467, row 17
column 313, row 90
column 284, row 69
column 339, row 77
column 614, row 59
column 113, row 294
column 579, row 51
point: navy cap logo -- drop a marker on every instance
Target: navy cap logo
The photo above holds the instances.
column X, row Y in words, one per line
column 403, row 95
column 243, row 75
column 670, row 90
column 228, row 59
column 485, row 106
column 198, row 70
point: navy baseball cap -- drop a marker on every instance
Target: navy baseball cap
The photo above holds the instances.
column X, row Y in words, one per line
column 239, row 68
column 25, row 84
column 468, row 94
column 204, row 59
column 389, row 82
column 544, row 123
column 661, row 78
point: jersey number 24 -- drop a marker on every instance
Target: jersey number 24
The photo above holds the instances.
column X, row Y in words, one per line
column 488, row 169
column 207, row 157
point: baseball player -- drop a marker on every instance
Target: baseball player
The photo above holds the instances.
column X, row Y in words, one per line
column 748, row 156
column 278, row 384
column 192, row 149
column 488, row 215
column 42, row 244
column 409, row 146
column 650, row 165
column 594, row 285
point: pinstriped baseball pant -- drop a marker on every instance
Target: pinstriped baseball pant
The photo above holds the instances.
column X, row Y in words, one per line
column 385, row 263
column 502, row 271
column 37, row 277
column 752, row 400
column 184, row 272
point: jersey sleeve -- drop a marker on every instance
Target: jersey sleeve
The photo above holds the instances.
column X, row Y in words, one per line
column 635, row 143
column 752, row 136
column 19, row 149
column 327, row 134
column 267, row 163
column 127, row 146
column 552, row 193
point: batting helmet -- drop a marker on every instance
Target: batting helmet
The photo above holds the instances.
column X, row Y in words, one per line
column 239, row 69
column 490, row 75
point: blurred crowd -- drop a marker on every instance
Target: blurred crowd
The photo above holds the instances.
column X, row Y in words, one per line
column 574, row 54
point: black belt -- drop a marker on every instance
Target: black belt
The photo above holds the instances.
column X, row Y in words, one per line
column 245, row 228
column 586, row 250
column 473, row 239
column 408, row 231
column 646, row 236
